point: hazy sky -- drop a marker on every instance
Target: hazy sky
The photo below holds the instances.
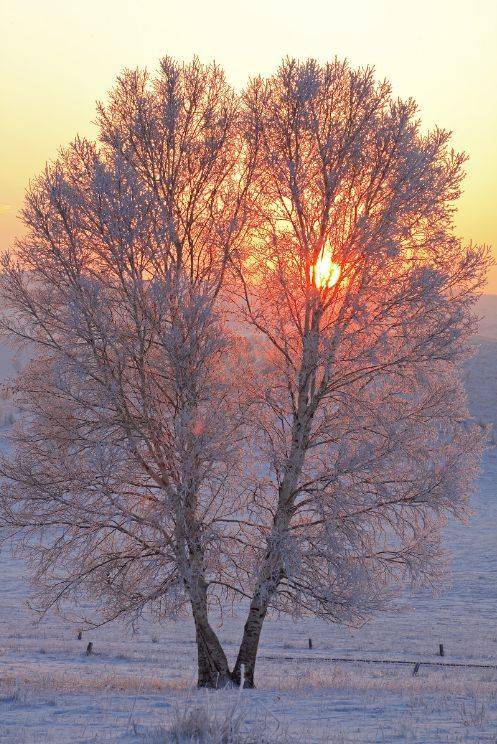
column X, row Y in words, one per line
column 58, row 56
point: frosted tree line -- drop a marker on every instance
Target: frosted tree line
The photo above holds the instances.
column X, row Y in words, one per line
column 245, row 316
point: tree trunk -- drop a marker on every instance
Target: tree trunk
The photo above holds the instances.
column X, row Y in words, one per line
column 213, row 670
column 247, row 654
column 272, row 571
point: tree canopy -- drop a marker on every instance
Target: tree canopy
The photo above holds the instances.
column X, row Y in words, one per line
column 245, row 315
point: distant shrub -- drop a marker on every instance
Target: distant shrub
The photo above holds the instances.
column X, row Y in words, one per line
column 7, row 419
column 18, row 694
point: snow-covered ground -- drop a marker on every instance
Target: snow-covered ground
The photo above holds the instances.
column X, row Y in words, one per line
column 133, row 687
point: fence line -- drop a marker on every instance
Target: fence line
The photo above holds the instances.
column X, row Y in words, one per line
column 407, row 662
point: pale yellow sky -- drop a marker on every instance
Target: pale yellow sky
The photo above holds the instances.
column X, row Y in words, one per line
column 58, row 56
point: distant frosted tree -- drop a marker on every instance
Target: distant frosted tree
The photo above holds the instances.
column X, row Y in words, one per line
column 246, row 316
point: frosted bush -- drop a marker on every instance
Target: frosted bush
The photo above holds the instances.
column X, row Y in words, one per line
column 18, row 694
column 208, row 721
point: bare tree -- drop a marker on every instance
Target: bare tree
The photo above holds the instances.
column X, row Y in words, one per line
column 306, row 226
column 360, row 297
column 124, row 464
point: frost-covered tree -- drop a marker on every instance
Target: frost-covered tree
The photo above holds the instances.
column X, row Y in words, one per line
column 305, row 226
column 359, row 298
column 123, row 468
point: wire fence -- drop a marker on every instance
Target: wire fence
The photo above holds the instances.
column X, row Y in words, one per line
column 358, row 660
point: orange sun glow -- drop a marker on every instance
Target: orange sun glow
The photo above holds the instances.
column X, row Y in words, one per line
column 326, row 272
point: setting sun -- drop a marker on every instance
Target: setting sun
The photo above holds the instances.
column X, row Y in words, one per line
column 326, row 272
